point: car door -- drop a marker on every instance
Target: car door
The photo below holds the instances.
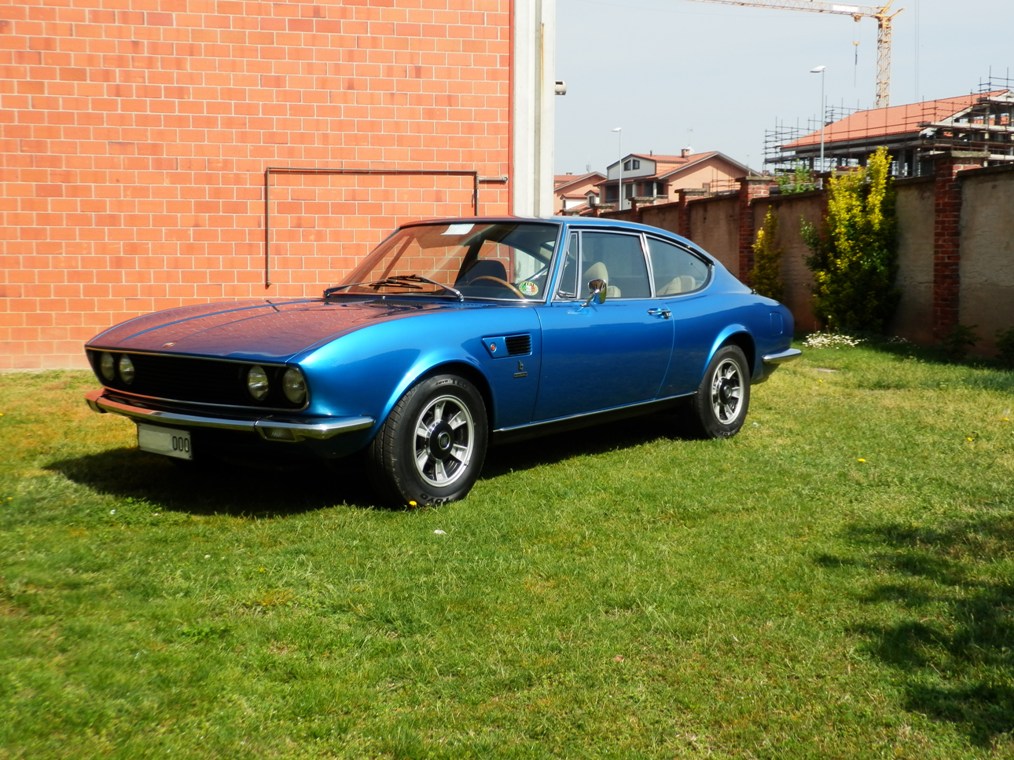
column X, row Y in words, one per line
column 599, row 356
column 681, row 277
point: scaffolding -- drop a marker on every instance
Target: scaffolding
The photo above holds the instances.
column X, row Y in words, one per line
column 914, row 134
column 779, row 161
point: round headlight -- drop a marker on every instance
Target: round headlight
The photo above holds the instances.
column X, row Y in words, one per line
column 294, row 386
column 257, row 382
column 126, row 369
column 107, row 367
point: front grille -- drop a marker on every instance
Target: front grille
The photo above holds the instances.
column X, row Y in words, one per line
column 193, row 380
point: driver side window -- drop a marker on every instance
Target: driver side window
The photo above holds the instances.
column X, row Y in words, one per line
column 617, row 258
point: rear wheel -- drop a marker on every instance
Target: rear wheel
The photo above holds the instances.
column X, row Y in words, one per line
column 720, row 406
column 431, row 448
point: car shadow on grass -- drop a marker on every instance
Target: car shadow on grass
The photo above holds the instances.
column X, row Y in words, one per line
column 277, row 488
column 267, row 489
column 526, row 454
column 944, row 621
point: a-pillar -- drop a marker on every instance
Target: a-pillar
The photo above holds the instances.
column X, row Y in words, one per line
column 947, row 236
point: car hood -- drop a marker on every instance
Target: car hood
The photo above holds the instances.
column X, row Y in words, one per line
column 260, row 329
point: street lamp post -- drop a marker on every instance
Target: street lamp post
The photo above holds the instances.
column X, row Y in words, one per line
column 619, row 147
column 823, row 118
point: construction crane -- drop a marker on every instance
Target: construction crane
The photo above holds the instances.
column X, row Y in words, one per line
column 882, row 14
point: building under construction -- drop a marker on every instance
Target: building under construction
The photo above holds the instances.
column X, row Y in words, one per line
column 913, row 134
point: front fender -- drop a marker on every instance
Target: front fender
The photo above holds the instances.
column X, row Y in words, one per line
column 427, row 364
column 366, row 372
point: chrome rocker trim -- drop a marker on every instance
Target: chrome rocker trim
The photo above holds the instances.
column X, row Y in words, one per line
column 268, row 428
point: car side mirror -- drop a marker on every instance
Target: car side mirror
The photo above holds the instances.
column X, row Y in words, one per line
column 598, row 292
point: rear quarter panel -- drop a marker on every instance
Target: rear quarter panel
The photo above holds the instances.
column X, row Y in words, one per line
column 706, row 321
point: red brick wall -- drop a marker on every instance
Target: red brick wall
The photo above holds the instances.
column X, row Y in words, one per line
column 947, row 241
column 134, row 139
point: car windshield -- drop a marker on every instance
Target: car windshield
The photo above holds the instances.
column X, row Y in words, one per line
column 460, row 259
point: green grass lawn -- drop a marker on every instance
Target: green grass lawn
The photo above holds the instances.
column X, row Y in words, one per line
column 836, row 581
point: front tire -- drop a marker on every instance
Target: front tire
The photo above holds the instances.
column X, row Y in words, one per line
column 719, row 408
column 431, row 448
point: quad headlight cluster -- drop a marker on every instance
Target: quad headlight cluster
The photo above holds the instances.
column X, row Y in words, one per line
column 112, row 366
column 203, row 381
column 258, row 384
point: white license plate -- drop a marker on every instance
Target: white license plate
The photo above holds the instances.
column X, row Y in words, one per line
column 166, row 441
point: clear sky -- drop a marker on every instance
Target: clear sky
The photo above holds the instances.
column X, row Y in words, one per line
column 678, row 73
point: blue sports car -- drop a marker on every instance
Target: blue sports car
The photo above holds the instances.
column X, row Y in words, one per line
column 450, row 334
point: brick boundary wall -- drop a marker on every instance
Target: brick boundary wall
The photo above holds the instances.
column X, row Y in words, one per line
column 135, row 134
column 750, row 189
column 947, row 239
column 984, row 228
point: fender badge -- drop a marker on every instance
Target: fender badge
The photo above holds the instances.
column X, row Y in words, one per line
column 170, row 344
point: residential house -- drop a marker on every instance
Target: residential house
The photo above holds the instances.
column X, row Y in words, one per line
column 647, row 178
column 577, row 194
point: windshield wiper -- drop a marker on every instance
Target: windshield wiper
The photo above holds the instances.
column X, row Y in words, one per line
column 406, row 281
column 376, row 285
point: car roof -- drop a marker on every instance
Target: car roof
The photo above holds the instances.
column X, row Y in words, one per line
column 569, row 221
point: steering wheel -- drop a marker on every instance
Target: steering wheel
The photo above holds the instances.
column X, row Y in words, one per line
column 501, row 282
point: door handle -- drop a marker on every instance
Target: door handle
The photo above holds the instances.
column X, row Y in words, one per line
column 660, row 312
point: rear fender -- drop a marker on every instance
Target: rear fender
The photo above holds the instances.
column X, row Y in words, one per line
column 738, row 335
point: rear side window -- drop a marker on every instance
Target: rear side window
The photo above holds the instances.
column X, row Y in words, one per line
column 675, row 269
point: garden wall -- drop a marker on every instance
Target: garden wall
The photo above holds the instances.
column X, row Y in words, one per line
column 915, row 261
column 987, row 254
column 984, row 243
column 715, row 227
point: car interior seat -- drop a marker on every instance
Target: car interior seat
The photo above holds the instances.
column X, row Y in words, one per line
column 682, row 283
column 598, row 271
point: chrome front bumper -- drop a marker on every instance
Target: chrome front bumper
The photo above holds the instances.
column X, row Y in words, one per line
column 269, row 428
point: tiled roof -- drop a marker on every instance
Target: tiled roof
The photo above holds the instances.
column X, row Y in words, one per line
column 668, row 165
column 894, row 120
column 561, row 181
column 673, row 161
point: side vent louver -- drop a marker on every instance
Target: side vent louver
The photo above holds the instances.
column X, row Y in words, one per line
column 518, row 345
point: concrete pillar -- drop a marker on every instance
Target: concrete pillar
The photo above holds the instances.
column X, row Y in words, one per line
column 533, row 107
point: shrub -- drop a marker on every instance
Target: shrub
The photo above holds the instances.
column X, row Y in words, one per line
column 854, row 256
column 1005, row 347
column 800, row 180
column 959, row 341
column 766, row 274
